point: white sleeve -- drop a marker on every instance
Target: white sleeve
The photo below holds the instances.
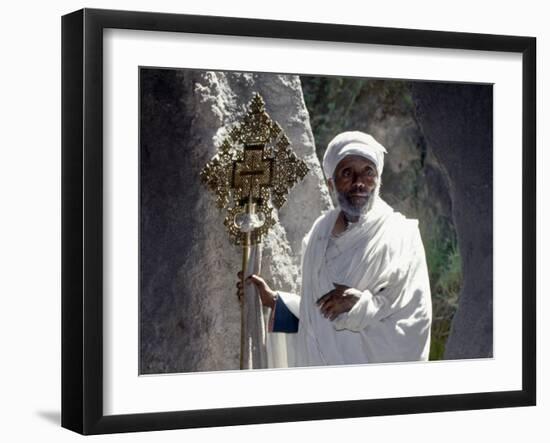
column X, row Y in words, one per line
column 409, row 286
column 362, row 313
column 292, row 302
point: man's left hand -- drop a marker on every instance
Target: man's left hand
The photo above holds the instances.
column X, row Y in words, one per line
column 341, row 299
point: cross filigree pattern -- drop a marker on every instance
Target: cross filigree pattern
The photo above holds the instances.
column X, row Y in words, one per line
column 254, row 165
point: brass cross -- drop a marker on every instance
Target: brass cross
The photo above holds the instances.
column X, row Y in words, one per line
column 254, row 166
column 252, row 173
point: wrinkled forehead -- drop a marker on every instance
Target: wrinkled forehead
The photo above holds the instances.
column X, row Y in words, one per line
column 354, row 161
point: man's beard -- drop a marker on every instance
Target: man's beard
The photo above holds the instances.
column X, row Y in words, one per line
column 354, row 209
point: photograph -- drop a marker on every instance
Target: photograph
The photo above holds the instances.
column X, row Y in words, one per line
column 293, row 221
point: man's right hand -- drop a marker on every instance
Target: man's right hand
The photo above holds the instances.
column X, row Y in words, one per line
column 267, row 295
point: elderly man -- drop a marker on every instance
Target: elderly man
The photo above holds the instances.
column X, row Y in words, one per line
column 365, row 295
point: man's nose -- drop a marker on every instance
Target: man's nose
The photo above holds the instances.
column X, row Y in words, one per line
column 358, row 181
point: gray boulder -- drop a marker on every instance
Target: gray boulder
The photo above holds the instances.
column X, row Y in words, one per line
column 457, row 121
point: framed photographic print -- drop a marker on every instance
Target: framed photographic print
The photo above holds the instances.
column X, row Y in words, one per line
column 252, row 208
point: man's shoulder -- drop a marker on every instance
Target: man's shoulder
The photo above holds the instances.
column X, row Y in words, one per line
column 407, row 225
column 401, row 233
column 323, row 222
column 325, row 217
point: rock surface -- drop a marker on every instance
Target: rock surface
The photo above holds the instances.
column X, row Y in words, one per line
column 457, row 122
column 189, row 314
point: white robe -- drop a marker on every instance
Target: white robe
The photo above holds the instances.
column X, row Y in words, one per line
column 382, row 255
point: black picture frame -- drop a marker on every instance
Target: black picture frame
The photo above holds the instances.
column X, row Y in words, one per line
column 82, row 218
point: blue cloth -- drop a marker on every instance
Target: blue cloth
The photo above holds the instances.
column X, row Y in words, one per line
column 283, row 319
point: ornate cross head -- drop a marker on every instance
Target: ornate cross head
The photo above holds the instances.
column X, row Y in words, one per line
column 253, row 169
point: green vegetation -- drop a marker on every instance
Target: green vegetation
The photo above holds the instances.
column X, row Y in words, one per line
column 445, row 269
column 337, row 103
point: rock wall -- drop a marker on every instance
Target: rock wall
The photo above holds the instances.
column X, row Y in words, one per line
column 189, row 314
column 457, row 121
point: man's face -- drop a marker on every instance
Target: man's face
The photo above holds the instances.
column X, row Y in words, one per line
column 355, row 179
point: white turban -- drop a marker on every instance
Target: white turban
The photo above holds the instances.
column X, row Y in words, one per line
column 353, row 143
